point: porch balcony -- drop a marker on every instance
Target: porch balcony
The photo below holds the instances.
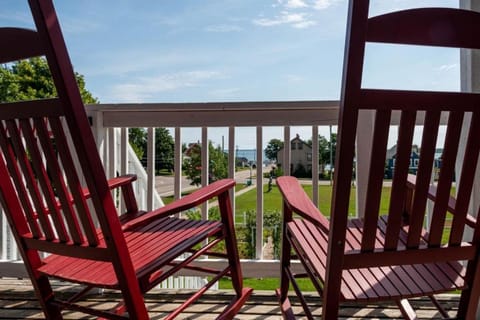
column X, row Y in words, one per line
column 110, row 123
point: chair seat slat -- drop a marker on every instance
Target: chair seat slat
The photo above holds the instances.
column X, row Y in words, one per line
column 144, row 247
column 423, row 279
column 307, row 244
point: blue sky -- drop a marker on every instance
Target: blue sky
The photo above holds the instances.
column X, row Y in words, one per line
column 229, row 50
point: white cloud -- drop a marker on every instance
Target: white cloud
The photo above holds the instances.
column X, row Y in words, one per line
column 297, row 20
column 294, row 4
column 225, row 94
column 304, row 24
column 322, row 4
column 447, row 67
column 300, row 18
column 223, row 28
column 142, row 89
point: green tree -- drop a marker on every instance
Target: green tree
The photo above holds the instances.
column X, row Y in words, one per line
column 218, row 163
column 164, row 149
column 138, row 141
column 273, row 146
column 324, row 146
column 31, row 79
column 325, row 151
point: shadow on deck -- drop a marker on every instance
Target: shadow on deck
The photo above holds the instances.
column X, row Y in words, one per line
column 17, row 301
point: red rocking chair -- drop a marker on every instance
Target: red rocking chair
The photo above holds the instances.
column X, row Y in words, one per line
column 394, row 255
column 87, row 241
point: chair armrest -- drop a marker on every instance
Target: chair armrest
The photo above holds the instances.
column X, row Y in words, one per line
column 432, row 195
column 115, row 183
column 298, row 201
column 124, row 181
column 190, row 201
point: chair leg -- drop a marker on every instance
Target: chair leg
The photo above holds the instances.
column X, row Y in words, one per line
column 230, row 242
column 232, row 309
column 242, row 293
column 439, row 307
column 45, row 294
column 282, row 292
column 469, row 299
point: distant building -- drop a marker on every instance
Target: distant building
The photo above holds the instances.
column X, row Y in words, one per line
column 301, row 158
column 414, row 161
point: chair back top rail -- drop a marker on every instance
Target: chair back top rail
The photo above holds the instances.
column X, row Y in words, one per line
column 22, row 44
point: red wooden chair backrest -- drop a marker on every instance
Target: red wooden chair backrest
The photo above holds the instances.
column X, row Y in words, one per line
column 41, row 172
column 430, row 27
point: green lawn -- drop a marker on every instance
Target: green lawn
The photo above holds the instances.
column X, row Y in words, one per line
column 169, row 199
column 273, row 200
column 266, row 284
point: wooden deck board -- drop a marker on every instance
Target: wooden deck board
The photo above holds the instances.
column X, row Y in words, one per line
column 17, row 301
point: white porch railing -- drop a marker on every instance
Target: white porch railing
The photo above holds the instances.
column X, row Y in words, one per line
column 110, row 123
column 258, row 115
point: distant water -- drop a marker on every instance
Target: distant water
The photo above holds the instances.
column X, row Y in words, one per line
column 250, row 154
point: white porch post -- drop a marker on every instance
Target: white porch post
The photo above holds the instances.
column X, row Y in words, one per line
column 364, row 145
column 470, row 82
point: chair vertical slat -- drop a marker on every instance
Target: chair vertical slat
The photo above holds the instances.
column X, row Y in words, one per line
column 29, row 176
column 43, row 179
column 74, row 181
column 467, row 177
column 16, row 175
column 424, row 173
column 375, row 179
column 398, row 191
column 454, row 129
column 55, row 173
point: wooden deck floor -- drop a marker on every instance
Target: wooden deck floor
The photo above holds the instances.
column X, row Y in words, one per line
column 17, row 301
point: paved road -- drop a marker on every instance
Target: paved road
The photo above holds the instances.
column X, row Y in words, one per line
column 164, row 184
